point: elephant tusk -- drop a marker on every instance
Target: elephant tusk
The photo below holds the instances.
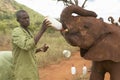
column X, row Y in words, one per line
column 66, row 30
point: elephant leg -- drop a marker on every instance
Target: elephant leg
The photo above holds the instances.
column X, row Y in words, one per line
column 97, row 72
column 115, row 71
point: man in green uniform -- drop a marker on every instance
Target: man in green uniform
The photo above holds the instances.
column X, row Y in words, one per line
column 24, row 48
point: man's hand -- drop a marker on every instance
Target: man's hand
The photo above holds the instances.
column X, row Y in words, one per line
column 42, row 49
column 45, row 24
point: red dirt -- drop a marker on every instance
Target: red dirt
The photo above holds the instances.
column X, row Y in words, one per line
column 62, row 71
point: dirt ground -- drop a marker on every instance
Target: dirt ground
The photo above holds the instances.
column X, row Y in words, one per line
column 62, row 71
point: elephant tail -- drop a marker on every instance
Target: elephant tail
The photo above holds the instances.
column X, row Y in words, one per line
column 67, row 12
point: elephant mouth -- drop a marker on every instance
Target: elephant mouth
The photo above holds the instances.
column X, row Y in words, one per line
column 65, row 29
column 71, row 36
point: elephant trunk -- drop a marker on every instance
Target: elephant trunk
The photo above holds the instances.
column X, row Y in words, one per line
column 67, row 12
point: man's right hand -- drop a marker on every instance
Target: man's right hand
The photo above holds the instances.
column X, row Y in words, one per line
column 45, row 24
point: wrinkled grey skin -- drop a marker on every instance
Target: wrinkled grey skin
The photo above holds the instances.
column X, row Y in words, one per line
column 98, row 41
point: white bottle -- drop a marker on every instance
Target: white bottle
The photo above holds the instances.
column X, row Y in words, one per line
column 54, row 23
column 84, row 70
column 73, row 70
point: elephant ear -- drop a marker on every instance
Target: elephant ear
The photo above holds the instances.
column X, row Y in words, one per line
column 107, row 48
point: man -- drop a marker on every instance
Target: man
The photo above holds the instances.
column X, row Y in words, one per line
column 24, row 48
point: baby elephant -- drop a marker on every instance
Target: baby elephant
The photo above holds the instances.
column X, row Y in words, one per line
column 98, row 41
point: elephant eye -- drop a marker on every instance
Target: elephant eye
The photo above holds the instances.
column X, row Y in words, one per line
column 86, row 27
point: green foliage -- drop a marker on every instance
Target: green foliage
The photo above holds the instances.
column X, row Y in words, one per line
column 8, row 21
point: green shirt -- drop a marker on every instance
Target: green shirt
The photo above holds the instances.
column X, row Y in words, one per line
column 25, row 67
